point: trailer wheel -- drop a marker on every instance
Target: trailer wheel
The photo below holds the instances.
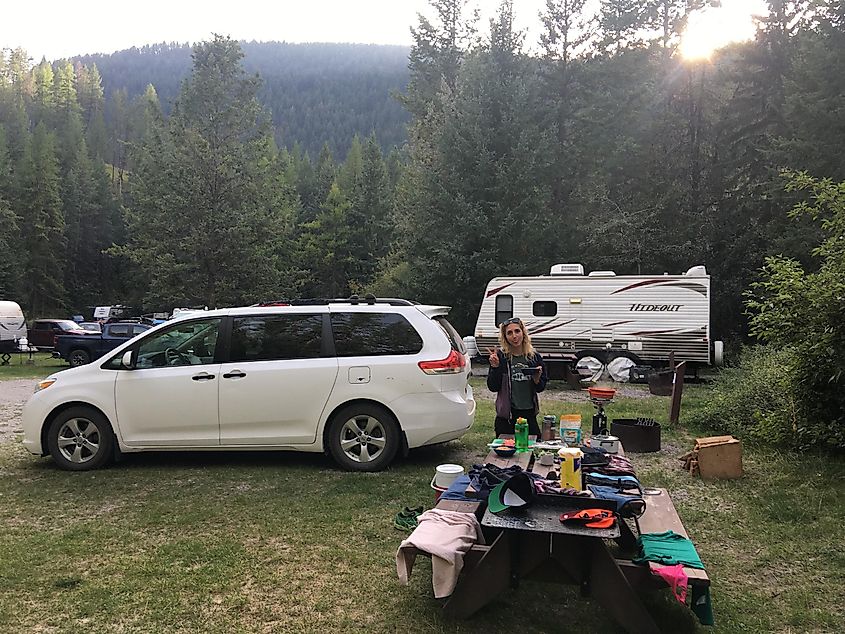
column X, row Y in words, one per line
column 590, row 368
column 619, row 368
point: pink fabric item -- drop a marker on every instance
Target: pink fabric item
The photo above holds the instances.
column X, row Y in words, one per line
column 446, row 536
column 676, row 578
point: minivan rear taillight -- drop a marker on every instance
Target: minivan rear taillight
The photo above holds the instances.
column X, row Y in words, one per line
column 453, row 364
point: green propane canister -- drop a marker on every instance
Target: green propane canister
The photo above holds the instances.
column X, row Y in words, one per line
column 521, row 434
column 570, row 468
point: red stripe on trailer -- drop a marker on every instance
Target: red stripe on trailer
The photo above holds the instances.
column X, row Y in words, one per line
column 493, row 291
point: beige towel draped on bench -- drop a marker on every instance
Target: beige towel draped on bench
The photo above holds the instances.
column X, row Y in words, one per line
column 446, row 536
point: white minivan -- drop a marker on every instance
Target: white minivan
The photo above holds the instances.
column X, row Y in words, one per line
column 363, row 380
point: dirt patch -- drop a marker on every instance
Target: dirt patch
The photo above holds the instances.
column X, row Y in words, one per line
column 13, row 396
column 575, row 396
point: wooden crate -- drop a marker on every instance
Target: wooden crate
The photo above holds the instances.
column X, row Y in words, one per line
column 715, row 457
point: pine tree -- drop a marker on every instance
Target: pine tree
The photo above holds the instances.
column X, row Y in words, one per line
column 621, row 23
column 668, row 18
column 567, row 32
column 67, row 115
column 349, row 174
column 437, row 54
column 42, row 225
column 9, row 228
column 89, row 230
column 370, row 222
column 326, row 248
column 325, row 175
column 43, row 91
column 207, row 222
column 92, row 104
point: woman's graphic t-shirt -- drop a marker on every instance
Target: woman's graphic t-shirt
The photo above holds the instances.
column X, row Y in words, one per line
column 521, row 396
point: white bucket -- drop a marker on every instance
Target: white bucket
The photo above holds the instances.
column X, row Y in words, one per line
column 446, row 473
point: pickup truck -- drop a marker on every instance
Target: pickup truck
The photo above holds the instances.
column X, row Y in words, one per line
column 81, row 349
column 44, row 332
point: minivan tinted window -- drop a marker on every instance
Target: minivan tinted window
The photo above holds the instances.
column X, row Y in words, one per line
column 454, row 338
column 273, row 337
column 372, row 334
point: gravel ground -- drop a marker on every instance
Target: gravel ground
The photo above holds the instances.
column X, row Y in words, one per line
column 622, row 390
column 13, row 395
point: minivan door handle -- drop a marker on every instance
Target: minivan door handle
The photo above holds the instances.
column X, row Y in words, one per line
column 203, row 376
column 236, row 374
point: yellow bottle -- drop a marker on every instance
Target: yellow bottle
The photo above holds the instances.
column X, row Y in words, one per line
column 570, row 468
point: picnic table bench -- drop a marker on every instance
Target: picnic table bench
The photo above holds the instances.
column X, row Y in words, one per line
column 660, row 516
column 554, row 553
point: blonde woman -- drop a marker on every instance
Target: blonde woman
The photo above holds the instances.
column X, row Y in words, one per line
column 517, row 374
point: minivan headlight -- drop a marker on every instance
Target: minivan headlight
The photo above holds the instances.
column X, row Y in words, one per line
column 43, row 385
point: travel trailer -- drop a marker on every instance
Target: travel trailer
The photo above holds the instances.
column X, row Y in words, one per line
column 603, row 320
column 12, row 326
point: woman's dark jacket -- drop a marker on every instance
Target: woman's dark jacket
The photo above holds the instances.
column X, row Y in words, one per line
column 499, row 380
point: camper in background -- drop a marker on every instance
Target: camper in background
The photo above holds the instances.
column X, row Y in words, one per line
column 603, row 322
column 12, row 326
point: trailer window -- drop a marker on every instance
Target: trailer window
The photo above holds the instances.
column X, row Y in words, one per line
column 545, row 309
column 504, row 308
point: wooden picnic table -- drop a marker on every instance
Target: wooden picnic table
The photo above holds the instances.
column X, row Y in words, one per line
column 533, row 543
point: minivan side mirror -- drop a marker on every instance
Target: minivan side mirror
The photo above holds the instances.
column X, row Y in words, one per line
column 126, row 360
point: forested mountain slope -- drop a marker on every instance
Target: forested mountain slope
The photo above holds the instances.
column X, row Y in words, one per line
column 317, row 93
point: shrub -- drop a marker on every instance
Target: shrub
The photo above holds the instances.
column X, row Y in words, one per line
column 759, row 400
column 801, row 312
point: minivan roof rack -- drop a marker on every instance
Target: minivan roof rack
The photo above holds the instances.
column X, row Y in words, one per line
column 352, row 299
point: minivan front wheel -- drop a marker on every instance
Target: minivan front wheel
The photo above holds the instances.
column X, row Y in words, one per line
column 363, row 437
column 80, row 438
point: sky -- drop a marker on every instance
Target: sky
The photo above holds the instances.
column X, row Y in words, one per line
column 715, row 27
column 95, row 26
column 63, row 28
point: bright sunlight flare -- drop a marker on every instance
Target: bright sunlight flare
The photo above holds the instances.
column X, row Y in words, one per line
column 718, row 25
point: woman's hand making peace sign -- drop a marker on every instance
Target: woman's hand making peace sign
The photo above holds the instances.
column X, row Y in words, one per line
column 494, row 358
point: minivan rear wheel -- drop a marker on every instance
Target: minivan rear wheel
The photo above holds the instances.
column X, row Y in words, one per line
column 80, row 438
column 364, row 437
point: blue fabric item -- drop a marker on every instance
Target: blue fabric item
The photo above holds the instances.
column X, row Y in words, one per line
column 621, row 483
column 627, row 504
column 457, row 490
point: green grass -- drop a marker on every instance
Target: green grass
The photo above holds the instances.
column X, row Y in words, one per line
column 36, row 366
column 284, row 542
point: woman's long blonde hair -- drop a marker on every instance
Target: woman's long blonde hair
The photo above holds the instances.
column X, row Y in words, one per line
column 526, row 349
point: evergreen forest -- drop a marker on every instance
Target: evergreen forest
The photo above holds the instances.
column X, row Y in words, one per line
column 316, row 93
column 603, row 146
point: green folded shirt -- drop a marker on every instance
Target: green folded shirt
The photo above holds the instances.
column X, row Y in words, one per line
column 667, row 548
